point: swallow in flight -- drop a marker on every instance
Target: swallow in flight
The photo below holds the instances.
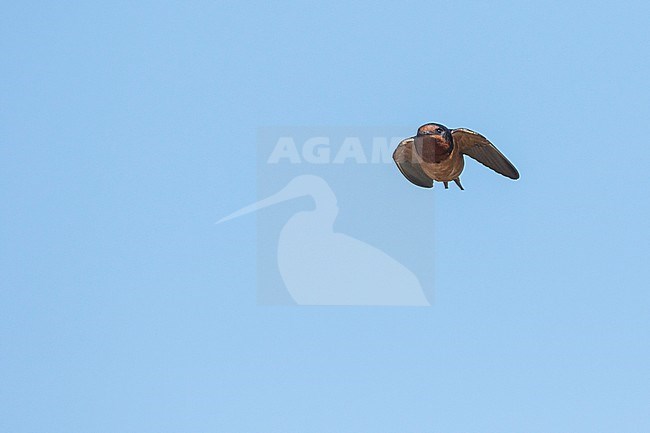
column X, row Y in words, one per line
column 437, row 153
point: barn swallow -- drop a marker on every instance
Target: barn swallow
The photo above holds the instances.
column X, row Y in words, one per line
column 437, row 153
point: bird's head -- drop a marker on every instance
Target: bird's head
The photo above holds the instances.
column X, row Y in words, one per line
column 433, row 141
column 435, row 129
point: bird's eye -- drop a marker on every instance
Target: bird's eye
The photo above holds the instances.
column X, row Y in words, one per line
column 439, row 130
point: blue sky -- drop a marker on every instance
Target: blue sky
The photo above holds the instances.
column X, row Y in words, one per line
column 127, row 130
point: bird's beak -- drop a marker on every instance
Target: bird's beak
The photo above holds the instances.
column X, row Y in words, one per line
column 283, row 195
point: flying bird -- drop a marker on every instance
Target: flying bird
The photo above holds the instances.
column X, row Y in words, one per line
column 437, row 153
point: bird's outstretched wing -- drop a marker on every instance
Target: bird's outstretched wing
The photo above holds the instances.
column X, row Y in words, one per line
column 478, row 147
column 407, row 163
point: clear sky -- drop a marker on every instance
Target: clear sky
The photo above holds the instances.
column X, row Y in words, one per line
column 127, row 130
